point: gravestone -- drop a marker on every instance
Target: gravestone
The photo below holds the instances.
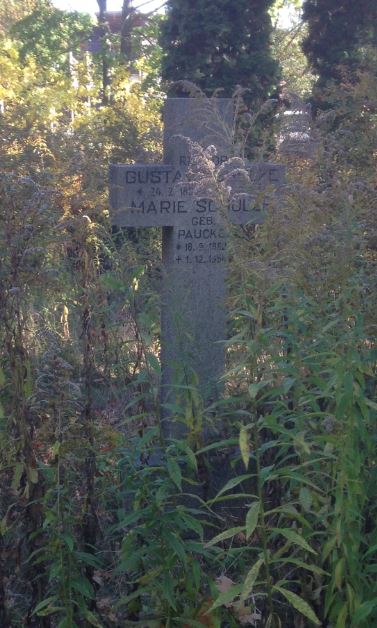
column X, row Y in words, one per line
column 194, row 239
column 297, row 136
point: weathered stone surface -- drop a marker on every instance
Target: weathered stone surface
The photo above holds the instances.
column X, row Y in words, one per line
column 252, row 194
column 194, row 256
column 143, row 196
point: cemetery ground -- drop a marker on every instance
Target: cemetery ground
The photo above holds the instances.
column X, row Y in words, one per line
column 257, row 506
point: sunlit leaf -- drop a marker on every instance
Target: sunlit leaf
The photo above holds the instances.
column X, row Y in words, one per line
column 302, row 565
column 44, row 604
column 255, row 388
column 341, row 620
column 305, row 498
column 251, row 578
column 244, row 446
column 252, row 519
column 18, row 470
column 231, row 484
column 339, row 573
column 299, row 604
column 226, row 597
column 225, row 535
column 295, row 538
column 32, row 474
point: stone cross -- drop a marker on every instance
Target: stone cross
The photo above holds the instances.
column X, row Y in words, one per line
column 194, row 241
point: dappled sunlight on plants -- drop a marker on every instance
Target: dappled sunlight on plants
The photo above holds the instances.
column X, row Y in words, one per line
column 270, row 521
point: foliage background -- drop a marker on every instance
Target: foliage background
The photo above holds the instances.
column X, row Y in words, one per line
column 100, row 523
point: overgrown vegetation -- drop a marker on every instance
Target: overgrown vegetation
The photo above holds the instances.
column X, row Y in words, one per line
column 102, row 523
column 338, row 34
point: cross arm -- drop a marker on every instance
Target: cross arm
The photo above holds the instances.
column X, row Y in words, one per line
column 252, row 191
column 142, row 195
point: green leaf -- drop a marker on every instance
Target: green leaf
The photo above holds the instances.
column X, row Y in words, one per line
column 112, row 282
column 168, row 590
column 288, row 383
column 265, row 474
column 83, row 586
column 299, row 478
column 299, row 604
column 56, row 448
column 327, row 548
column 231, row 484
column 18, row 470
column 290, row 511
column 252, row 519
column 371, row 568
column 251, row 578
column 302, row 565
column 371, row 404
column 305, row 498
column 67, row 538
column 196, row 573
column 341, row 620
column 32, row 474
column 186, row 622
column 177, row 546
column 92, row 619
column 191, row 458
column 88, row 559
column 174, row 472
column 44, row 603
column 339, row 573
column 153, row 362
column 132, row 517
column 226, row 598
column 218, row 445
column 251, row 313
column 196, row 548
column 255, row 388
column 126, row 521
column 193, row 524
column 67, row 622
column 225, row 535
column 4, row 527
column 244, row 446
column 49, row 610
column 371, row 550
column 132, row 596
column 363, row 612
column 295, row 538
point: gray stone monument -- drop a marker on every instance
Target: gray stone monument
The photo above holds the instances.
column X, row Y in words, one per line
column 194, row 238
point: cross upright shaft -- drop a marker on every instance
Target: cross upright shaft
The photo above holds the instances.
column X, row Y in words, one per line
column 194, row 244
column 193, row 323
